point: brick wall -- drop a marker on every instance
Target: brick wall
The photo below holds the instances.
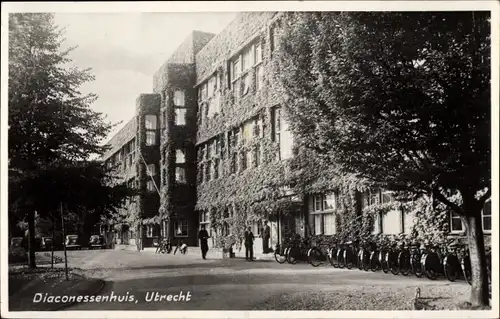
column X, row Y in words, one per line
column 184, row 54
column 123, row 136
column 224, row 44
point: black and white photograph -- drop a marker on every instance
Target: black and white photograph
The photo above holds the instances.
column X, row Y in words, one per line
column 250, row 159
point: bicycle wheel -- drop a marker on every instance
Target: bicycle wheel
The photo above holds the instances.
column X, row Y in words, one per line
column 393, row 263
column 279, row 256
column 315, row 257
column 466, row 269
column 340, row 259
column 385, row 262
column 428, row 265
column 404, row 263
column 360, row 259
column 366, row 261
column 292, row 255
column 416, row 266
column 374, row 264
column 330, row 257
column 348, row 263
column 450, row 270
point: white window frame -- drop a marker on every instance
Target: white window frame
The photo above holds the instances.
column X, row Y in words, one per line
column 177, row 175
column 180, row 156
column 150, row 186
column 180, row 120
column 179, row 98
column 151, row 122
column 486, row 231
column 149, row 231
column 181, row 224
column 151, row 170
column 149, row 141
column 453, row 216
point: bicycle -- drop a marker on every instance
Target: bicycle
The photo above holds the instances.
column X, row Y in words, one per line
column 416, row 252
column 451, row 263
column 182, row 247
column 432, row 261
column 165, row 246
column 390, row 261
column 377, row 256
column 404, row 260
column 280, row 253
column 465, row 264
column 364, row 256
column 349, row 255
column 315, row 256
column 333, row 255
column 297, row 251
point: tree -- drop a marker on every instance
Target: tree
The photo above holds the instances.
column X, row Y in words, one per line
column 53, row 131
column 401, row 99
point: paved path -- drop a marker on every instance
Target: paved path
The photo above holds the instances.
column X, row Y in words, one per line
column 233, row 284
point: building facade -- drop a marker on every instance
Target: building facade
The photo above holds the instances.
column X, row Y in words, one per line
column 211, row 146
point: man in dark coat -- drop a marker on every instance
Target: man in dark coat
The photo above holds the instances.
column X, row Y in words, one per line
column 203, row 236
column 249, row 238
column 266, row 235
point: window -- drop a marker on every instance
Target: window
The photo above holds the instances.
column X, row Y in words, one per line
column 392, row 222
column 180, row 175
column 329, row 202
column 204, row 217
column 456, row 224
column 151, row 122
column 258, row 53
column 180, row 158
column 236, row 69
column 248, row 59
column 179, row 98
column 151, row 171
column 150, row 231
column 150, row 186
column 317, row 203
column 318, row 225
column 245, row 82
column 256, row 155
column 487, row 216
column 329, row 224
column 387, row 197
column 180, row 116
column 181, row 228
column 373, row 197
column 150, row 138
column 275, row 40
column 233, row 163
column 259, row 77
column 276, row 115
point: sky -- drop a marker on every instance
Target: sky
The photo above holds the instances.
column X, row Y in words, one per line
column 124, row 50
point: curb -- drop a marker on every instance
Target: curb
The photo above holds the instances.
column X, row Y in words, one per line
column 98, row 290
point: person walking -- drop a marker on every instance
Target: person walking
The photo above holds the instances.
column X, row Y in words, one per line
column 203, row 236
column 266, row 235
column 249, row 238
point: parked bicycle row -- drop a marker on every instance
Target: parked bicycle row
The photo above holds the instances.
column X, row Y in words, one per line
column 450, row 260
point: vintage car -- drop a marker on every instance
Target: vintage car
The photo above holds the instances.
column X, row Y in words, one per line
column 97, row 241
column 72, row 242
column 46, row 243
column 16, row 242
column 17, row 252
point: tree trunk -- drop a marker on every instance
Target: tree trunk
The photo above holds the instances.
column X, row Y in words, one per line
column 31, row 239
column 479, row 290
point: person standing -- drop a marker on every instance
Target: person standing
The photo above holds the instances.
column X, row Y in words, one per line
column 249, row 238
column 203, row 236
column 266, row 235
